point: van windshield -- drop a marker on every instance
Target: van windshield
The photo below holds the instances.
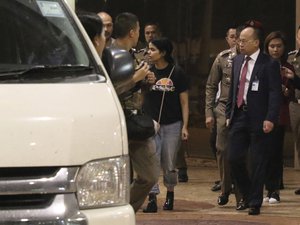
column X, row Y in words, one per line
column 39, row 33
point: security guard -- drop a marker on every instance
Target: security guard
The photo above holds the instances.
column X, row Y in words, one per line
column 294, row 107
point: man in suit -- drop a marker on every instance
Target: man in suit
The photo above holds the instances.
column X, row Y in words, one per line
column 252, row 110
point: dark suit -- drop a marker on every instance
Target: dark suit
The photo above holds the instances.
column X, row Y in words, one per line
column 246, row 135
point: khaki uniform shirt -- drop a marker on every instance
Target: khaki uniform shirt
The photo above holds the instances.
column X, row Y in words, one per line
column 294, row 59
column 130, row 95
column 219, row 79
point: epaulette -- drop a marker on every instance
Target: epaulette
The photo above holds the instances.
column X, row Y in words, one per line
column 225, row 52
column 293, row 52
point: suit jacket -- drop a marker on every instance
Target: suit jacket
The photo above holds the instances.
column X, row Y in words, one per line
column 264, row 103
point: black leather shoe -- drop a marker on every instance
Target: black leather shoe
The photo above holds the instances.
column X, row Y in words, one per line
column 152, row 204
column 169, row 201
column 223, row 199
column 242, row 205
column 297, row 192
column 182, row 175
column 254, row 211
column 151, row 207
column 216, row 187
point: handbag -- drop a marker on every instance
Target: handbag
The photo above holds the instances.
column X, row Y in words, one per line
column 140, row 126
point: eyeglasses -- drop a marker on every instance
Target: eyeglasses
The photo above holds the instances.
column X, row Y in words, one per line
column 244, row 41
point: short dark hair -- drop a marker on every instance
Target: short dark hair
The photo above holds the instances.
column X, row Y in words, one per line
column 152, row 24
column 92, row 23
column 229, row 28
column 275, row 35
column 124, row 22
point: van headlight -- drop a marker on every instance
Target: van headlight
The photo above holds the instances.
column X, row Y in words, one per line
column 103, row 183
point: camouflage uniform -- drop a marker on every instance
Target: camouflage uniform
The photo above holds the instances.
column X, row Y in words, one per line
column 219, row 79
column 294, row 107
column 144, row 160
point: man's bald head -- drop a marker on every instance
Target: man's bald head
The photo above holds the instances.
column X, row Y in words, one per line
column 107, row 23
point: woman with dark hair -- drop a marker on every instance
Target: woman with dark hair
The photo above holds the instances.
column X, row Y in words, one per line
column 93, row 25
column 275, row 46
column 167, row 103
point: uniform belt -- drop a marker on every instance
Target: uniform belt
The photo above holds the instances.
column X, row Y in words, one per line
column 243, row 108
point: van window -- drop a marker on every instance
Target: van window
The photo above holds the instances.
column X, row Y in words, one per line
column 40, row 34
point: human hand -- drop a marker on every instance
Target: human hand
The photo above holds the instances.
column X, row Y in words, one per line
column 151, row 78
column 184, row 134
column 268, row 126
column 156, row 126
column 209, row 122
column 141, row 73
column 287, row 72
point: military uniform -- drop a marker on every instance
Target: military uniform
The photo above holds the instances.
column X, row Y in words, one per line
column 294, row 59
column 219, row 80
column 294, row 107
column 143, row 158
column 141, row 55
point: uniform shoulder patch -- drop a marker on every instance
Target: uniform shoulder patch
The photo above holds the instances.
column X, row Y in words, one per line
column 293, row 52
column 225, row 52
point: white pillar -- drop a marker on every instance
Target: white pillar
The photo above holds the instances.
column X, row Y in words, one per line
column 71, row 3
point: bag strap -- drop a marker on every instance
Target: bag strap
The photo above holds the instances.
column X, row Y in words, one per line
column 163, row 98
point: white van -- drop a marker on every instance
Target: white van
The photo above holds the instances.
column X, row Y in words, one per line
column 64, row 151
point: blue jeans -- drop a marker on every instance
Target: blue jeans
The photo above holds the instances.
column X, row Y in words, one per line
column 168, row 141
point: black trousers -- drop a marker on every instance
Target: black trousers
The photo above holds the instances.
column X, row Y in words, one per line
column 248, row 158
column 274, row 174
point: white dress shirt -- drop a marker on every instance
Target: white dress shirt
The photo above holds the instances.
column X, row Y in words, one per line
column 251, row 63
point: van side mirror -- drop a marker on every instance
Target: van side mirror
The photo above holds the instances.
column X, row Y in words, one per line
column 118, row 64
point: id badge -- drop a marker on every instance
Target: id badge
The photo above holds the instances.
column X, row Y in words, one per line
column 255, row 85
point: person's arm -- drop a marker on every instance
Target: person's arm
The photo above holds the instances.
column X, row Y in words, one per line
column 184, row 102
column 274, row 96
column 229, row 103
column 212, row 87
column 139, row 75
column 292, row 76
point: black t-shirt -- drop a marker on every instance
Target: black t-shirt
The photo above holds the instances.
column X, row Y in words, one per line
column 171, row 111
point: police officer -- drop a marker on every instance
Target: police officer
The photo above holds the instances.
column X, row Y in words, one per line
column 294, row 107
column 220, row 72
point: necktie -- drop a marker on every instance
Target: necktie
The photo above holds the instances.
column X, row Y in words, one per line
column 242, row 83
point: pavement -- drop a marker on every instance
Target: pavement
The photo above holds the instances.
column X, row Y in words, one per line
column 196, row 204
